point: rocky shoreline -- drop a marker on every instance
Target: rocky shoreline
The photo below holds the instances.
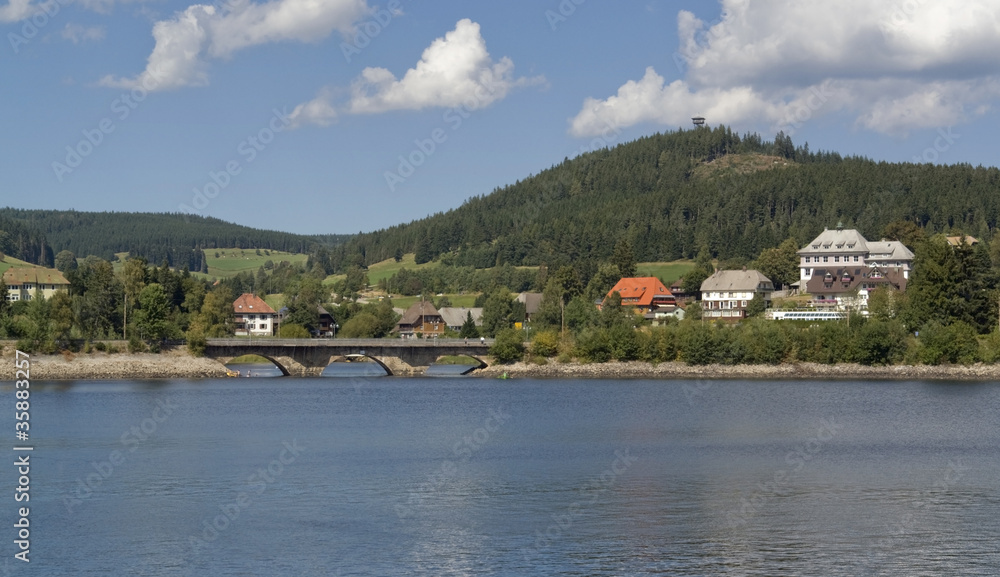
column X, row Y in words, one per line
column 177, row 363
column 675, row 370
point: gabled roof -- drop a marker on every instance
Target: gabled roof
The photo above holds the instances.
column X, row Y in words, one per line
column 33, row 275
column 532, row 302
column 642, row 288
column 838, row 240
column 957, row 240
column 455, row 316
column 736, row 280
column 249, row 303
column 416, row 311
column 893, row 248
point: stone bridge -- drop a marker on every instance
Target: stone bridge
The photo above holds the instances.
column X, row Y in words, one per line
column 308, row 357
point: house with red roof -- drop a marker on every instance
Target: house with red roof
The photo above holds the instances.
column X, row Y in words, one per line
column 253, row 316
column 646, row 294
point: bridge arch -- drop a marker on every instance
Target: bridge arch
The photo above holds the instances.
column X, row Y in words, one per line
column 376, row 360
column 284, row 371
column 482, row 364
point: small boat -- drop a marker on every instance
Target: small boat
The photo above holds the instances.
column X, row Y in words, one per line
column 232, row 373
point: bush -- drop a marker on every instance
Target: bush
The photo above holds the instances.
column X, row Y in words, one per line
column 196, row 343
column 135, row 345
column 594, row 345
column 698, row 345
column 545, row 344
column 293, row 331
column 508, row 346
column 880, row 343
column 624, row 343
column 955, row 343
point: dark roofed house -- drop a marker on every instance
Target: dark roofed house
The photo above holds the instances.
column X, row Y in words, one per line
column 532, row 302
column 422, row 318
column 844, row 287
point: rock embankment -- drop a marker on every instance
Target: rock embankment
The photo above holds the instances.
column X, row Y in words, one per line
column 641, row 370
column 174, row 364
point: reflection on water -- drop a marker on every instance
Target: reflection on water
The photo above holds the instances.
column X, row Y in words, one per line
column 255, row 370
column 447, row 370
column 526, row 477
column 354, row 369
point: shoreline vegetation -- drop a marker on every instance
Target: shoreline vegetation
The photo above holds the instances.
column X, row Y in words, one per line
column 177, row 363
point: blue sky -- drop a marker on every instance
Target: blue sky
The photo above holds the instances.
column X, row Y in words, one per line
column 294, row 114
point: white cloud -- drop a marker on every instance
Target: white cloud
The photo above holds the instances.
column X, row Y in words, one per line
column 456, row 70
column 76, row 33
column 319, row 110
column 17, row 10
column 185, row 43
column 893, row 66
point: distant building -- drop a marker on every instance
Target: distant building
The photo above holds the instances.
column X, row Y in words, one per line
column 726, row 294
column 838, row 248
column 957, row 240
column 422, row 318
column 253, row 316
column 644, row 293
column 677, row 289
column 454, row 317
column 326, row 323
column 26, row 283
column 532, row 302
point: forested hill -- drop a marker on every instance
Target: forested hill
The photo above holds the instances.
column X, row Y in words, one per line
column 36, row 235
column 670, row 194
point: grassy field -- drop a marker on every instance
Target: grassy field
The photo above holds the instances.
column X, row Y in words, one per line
column 466, row 300
column 232, row 261
column 11, row 262
column 668, row 272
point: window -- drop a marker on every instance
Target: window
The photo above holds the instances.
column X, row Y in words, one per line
column 743, row 304
column 836, row 259
column 855, row 258
column 825, row 259
column 807, row 259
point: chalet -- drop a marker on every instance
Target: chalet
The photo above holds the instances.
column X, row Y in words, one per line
column 326, row 323
column 422, row 318
column 726, row 294
column 644, row 293
column 677, row 289
column 848, row 249
column 454, row 317
column 253, row 316
column 24, row 284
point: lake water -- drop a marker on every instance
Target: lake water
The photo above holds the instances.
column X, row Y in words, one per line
column 446, row 476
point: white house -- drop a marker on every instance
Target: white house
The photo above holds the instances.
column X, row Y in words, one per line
column 253, row 316
column 726, row 294
column 842, row 248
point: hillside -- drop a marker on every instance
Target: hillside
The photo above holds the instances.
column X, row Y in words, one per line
column 175, row 237
column 671, row 194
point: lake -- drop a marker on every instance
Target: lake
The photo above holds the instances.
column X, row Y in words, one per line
column 465, row 476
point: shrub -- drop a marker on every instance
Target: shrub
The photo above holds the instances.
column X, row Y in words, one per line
column 594, row 345
column 545, row 343
column 196, row 343
column 955, row 343
column 508, row 346
column 135, row 345
column 293, row 331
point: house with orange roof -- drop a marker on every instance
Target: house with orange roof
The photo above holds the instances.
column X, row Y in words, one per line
column 26, row 283
column 646, row 294
column 253, row 316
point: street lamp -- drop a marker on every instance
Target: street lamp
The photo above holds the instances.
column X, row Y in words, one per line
column 335, row 327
